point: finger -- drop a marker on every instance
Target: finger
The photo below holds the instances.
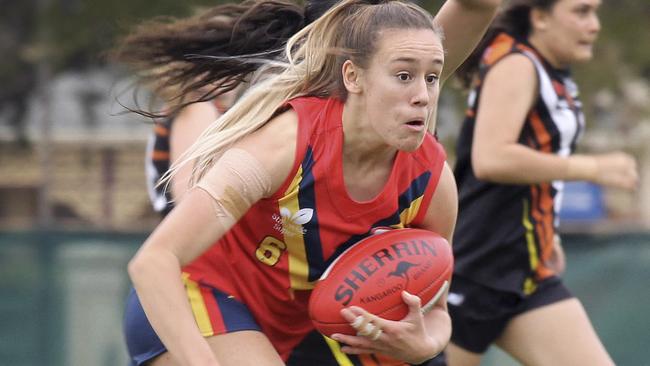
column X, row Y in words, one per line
column 413, row 302
column 359, row 311
column 362, row 324
column 353, row 341
column 351, row 313
column 375, row 334
column 365, row 328
column 356, row 351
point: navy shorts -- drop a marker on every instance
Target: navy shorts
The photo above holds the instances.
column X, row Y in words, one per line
column 479, row 314
column 214, row 311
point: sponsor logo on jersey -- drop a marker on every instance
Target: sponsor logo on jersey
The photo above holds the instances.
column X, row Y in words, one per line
column 291, row 223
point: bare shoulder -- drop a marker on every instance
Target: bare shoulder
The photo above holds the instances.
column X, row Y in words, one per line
column 511, row 82
column 202, row 113
column 274, row 145
column 513, row 69
column 277, row 136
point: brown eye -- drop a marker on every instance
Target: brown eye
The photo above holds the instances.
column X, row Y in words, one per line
column 583, row 11
column 404, row 76
column 431, row 79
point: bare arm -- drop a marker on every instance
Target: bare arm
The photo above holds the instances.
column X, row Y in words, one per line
column 187, row 127
column 441, row 218
column 188, row 231
column 464, row 22
column 509, row 91
column 443, row 210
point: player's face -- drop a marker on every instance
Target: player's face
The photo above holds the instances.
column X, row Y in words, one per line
column 570, row 30
column 401, row 85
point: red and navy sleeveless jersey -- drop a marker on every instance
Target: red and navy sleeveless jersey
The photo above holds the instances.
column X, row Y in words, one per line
column 157, row 161
column 271, row 258
column 505, row 232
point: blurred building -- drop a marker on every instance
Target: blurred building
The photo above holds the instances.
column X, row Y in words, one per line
column 79, row 160
column 82, row 164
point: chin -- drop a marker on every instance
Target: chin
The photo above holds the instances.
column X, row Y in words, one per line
column 583, row 55
column 410, row 145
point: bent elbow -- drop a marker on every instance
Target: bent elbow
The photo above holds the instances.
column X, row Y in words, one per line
column 136, row 267
column 148, row 265
column 481, row 174
column 486, row 170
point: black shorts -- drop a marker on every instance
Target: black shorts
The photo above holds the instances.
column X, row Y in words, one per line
column 479, row 314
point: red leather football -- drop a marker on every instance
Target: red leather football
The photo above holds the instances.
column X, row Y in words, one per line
column 373, row 273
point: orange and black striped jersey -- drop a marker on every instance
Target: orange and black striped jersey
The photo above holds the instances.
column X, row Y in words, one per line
column 272, row 257
column 505, row 232
column 157, row 161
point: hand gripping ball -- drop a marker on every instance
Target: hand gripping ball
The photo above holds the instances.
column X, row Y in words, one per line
column 373, row 273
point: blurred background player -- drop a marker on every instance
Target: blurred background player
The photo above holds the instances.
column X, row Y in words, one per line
column 514, row 151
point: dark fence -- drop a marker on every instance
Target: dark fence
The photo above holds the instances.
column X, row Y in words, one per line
column 62, row 295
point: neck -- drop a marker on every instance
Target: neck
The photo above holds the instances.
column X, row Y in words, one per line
column 362, row 146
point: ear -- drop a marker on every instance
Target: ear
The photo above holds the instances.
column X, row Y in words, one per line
column 351, row 77
column 538, row 19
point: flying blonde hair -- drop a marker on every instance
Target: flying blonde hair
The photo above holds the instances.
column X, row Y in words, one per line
column 310, row 66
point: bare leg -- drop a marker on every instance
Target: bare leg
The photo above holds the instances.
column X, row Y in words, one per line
column 557, row 334
column 457, row 356
column 244, row 348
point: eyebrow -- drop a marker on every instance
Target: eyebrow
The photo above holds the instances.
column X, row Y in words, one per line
column 589, row 4
column 436, row 61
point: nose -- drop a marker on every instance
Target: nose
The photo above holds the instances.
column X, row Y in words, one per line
column 420, row 96
column 594, row 23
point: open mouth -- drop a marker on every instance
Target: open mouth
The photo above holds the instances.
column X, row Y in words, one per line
column 415, row 123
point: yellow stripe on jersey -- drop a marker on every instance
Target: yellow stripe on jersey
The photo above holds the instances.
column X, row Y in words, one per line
column 408, row 215
column 529, row 284
column 198, row 306
column 293, row 237
column 341, row 358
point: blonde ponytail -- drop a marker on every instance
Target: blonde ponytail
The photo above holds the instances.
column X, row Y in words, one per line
column 311, row 66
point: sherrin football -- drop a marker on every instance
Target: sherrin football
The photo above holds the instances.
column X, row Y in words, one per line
column 373, row 273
